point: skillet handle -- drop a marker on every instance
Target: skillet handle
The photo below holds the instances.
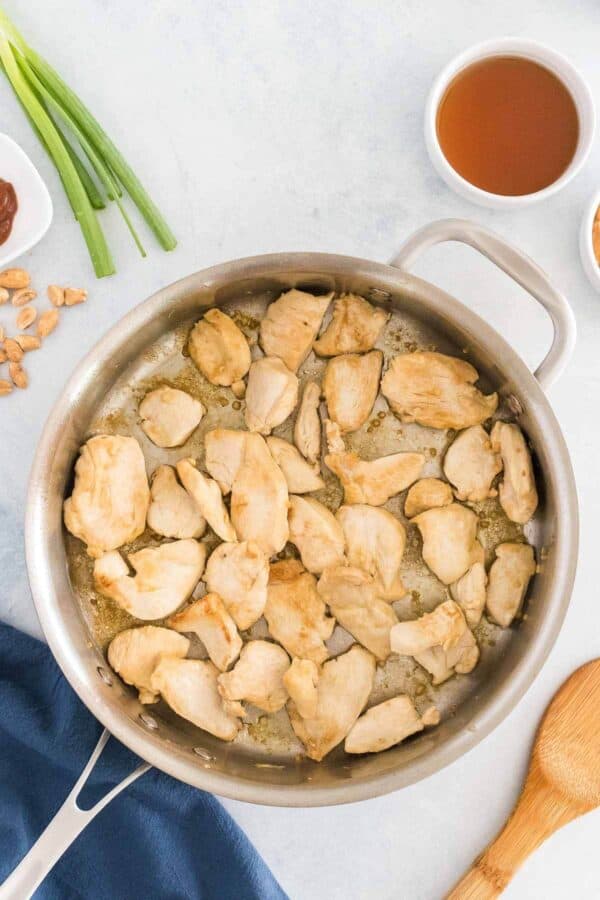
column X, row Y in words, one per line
column 519, row 267
column 67, row 824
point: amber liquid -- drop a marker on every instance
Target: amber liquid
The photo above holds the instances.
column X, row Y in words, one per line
column 508, row 125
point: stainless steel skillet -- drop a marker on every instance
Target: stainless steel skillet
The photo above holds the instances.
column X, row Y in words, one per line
column 146, row 344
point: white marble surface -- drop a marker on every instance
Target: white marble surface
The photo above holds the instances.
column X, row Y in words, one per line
column 288, row 125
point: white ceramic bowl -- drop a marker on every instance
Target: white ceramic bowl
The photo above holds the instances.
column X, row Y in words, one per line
column 35, row 206
column 586, row 248
column 557, row 64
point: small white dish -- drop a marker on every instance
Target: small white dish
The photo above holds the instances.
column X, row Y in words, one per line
column 34, row 213
column 586, row 247
column 557, row 64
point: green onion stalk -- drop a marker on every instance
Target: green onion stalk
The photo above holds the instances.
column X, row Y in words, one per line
column 63, row 124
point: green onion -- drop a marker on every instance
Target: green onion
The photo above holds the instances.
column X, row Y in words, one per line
column 47, row 100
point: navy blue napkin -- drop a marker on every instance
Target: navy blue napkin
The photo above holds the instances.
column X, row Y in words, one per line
column 157, row 839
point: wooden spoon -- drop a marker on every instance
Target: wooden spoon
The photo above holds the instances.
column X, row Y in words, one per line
column 563, row 782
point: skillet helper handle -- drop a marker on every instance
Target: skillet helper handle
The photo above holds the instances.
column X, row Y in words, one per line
column 517, row 266
column 67, row 824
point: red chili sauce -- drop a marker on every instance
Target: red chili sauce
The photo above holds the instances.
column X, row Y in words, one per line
column 8, row 209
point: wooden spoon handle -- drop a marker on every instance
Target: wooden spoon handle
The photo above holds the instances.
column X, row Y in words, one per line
column 538, row 814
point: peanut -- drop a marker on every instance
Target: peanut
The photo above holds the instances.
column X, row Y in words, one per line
column 3, row 296
column 28, row 342
column 73, row 296
column 47, row 322
column 14, row 279
column 18, row 375
column 26, row 317
column 5, row 387
column 13, row 351
column 56, row 294
column 23, row 296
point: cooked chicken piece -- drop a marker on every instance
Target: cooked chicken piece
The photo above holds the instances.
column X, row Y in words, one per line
column 239, row 389
column 189, row 686
column 110, row 498
column 316, row 533
column 375, row 542
column 333, row 435
column 509, row 578
column 301, row 681
column 206, row 494
column 471, row 464
column 343, row 689
column 450, row 544
column 259, row 498
column 469, row 592
column 386, row 724
column 350, row 388
column 352, row 598
column 172, row 512
column 354, row 328
column 300, row 476
column 239, row 573
column 295, row 613
column 219, row 349
column 224, row 449
column 208, row 618
column 436, row 390
column 135, row 653
column 440, row 641
column 307, row 430
column 374, row 481
column 428, row 493
column 291, row 325
column 169, row 416
column 165, row 577
column 271, row 396
column 518, row 494
column 257, row 677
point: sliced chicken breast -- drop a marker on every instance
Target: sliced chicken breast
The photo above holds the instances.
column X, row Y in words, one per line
column 295, row 613
column 239, row 573
column 518, row 494
column 291, row 324
column 135, row 653
column 172, row 512
column 224, row 448
column 169, row 416
column 189, row 686
column 387, row 724
column 219, row 349
column 509, row 579
column 470, row 592
column 307, row 428
column 165, row 577
column 350, row 388
column 208, row 618
column 427, row 493
column 436, row 390
column 316, row 533
column 300, row 476
column 206, row 494
column 110, row 498
column 375, row 542
column 471, row 464
column 354, row 327
column 257, row 677
column 450, row 544
column 271, row 395
column 301, row 682
column 259, row 498
column 376, row 480
column 343, row 690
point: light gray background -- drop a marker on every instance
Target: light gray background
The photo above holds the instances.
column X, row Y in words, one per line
column 273, row 126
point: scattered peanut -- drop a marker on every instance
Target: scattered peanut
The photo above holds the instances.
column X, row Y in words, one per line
column 73, row 296
column 28, row 342
column 14, row 279
column 56, row 294
column 26, row 317
column 18, row 375
column 3, row 356
column 13, row 351
column 5, row 387
column 47, row 322
column 23, row 296
column 3, row 296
